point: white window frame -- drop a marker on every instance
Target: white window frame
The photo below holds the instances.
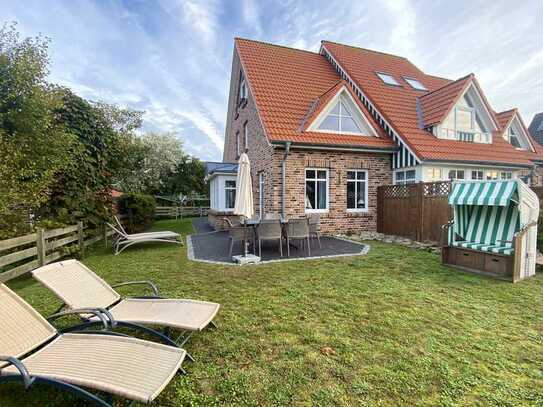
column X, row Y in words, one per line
column 356, row 181
column 242, row 88
column 478, row 171
column 261, row 186
column 237, row 144
column 506, row 175
column 455, row 177
column 382, row 75
column 327, row 209
column 343, row 95
column 225, row 188
column 415, row 83
column 465, row 109
column 246, row 135
column 489, row 172
column 431, row 172
column 405, row 181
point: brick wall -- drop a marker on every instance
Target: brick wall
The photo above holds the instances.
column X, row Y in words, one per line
column 259, row 150
column 337, row 220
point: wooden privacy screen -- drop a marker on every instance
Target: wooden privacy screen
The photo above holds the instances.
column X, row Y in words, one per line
column 415, row 211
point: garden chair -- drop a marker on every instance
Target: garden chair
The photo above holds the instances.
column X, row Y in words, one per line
column 269, row 230
column 124, row 240
column 78, row 287
column 314, row 227
column 298, row 229
column 238, row 233
column 34, row 352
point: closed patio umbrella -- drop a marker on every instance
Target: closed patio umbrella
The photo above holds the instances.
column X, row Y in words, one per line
column 244, row 191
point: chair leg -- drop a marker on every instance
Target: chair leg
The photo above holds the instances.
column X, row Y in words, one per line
column 319, row 240
column 231, row 247
column 281, row 247
column 288, row 247
column 308, row 248
column 259, row 248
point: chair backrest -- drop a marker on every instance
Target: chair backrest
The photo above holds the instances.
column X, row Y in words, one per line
column 117, row 230
column 270, row 229
column 76, row 285
column 491, row 224
column 22, row 328
column 314, row 218
column 120, row 225
column 239, row 232
column 272, row 216
column 298, row 228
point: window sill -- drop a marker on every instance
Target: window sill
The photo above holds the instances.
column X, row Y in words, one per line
column 316, row 211
column 357, row 210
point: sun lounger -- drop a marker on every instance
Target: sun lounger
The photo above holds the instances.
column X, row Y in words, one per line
column 33, row 351
column 124, row 239
column 78, row 287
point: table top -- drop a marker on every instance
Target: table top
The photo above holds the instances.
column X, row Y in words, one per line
column 255, row 222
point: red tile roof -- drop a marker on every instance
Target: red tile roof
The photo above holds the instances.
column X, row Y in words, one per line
column 289, row 87
column 504, row 120
column 286, row 83
column 436, row 105
column 398, row 104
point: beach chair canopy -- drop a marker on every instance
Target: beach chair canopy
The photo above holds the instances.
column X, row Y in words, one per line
column 487, row 214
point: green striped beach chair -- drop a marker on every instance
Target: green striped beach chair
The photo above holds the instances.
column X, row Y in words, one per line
column 492, row 220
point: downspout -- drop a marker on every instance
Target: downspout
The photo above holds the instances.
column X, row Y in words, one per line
column 283, row 177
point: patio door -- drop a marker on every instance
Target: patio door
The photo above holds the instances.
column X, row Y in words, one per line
column 261, row 195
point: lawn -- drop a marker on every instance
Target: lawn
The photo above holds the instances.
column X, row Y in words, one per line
column 391, row 327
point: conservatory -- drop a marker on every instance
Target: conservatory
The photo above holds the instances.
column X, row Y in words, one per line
column 222, row 191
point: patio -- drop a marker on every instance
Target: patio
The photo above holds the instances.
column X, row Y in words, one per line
column 210, row 246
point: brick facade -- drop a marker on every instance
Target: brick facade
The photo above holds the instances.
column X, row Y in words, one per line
column 266, row 160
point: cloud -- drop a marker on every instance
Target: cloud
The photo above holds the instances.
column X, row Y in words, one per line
column 172, row 58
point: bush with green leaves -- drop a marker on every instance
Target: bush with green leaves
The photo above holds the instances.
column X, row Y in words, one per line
column 140, row 209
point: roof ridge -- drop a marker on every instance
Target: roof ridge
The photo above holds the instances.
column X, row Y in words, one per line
column 275, row 45
column 448, row 84
column 365, row 49
column 439, row 77
column 507, row 111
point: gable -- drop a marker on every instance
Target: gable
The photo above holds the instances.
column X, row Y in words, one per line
column 342, row 114
column 515, row 133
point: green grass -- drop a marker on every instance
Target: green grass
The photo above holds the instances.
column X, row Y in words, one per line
column 392, row 327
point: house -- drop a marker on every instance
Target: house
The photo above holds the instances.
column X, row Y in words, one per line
column 324, row 130
column 536, row 128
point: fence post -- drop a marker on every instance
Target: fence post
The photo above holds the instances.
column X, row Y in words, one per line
column 40, row 246
column 81, row 239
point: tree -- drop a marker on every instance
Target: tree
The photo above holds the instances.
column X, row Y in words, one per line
column 34, row 147
column 188, row 178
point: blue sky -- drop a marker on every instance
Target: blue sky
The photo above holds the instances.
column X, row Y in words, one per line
column 173, row 58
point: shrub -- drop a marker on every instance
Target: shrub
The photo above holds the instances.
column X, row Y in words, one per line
column 140, row 210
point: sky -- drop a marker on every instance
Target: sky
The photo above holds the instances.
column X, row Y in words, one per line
column 172, row 58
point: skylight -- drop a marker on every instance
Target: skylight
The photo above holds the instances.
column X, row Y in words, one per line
column 415, row 84
column 388, row 79
column 540, row 127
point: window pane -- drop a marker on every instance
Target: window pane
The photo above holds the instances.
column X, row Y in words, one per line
column 361, row 175
column 335, row 109
column 310, row 173
column 321, row 194
column 330, row 123
column 350, row 174
column 321, row 174
column 230, row 184
column 361, row 195
column 351, row 199
column 410, row 174
column 463, row 119
column 514, row 141
column 415, row 84
column 344, row 110
column 230, row 198
column 348, row 124
column 388, row 79
column 460, row 174
column 399, row 176
column 310, row 194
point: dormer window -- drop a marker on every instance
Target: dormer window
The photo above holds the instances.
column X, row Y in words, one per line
column 513, row 138
column 388, row 79
column 464, row 118
column 242, row 96
column 340, row 120
column 415, row 84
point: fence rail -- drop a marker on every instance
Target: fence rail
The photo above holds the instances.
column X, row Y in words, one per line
column 45, row 246
column 181, row 211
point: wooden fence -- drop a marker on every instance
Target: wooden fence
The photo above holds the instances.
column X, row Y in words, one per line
column 415, row 211
column 181, row 211
column 25, row 253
